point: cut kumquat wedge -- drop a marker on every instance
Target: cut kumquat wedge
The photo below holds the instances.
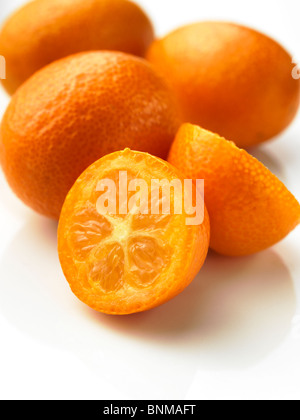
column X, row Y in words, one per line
column 250, row 209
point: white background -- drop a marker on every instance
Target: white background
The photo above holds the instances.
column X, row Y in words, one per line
column 233, row 334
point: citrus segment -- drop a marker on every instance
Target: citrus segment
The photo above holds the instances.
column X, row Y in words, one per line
column 147, row 258
column 106, row 269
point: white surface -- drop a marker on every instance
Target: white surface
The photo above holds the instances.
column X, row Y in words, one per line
column 234, row 333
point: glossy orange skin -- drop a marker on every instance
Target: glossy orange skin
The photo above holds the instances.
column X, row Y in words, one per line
column 229, row 79
column 188, row 244
column 75, row 111
column 250, row 209
column 44, row 31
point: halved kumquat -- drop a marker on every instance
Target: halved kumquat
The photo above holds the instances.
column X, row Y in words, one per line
column 127, row 261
